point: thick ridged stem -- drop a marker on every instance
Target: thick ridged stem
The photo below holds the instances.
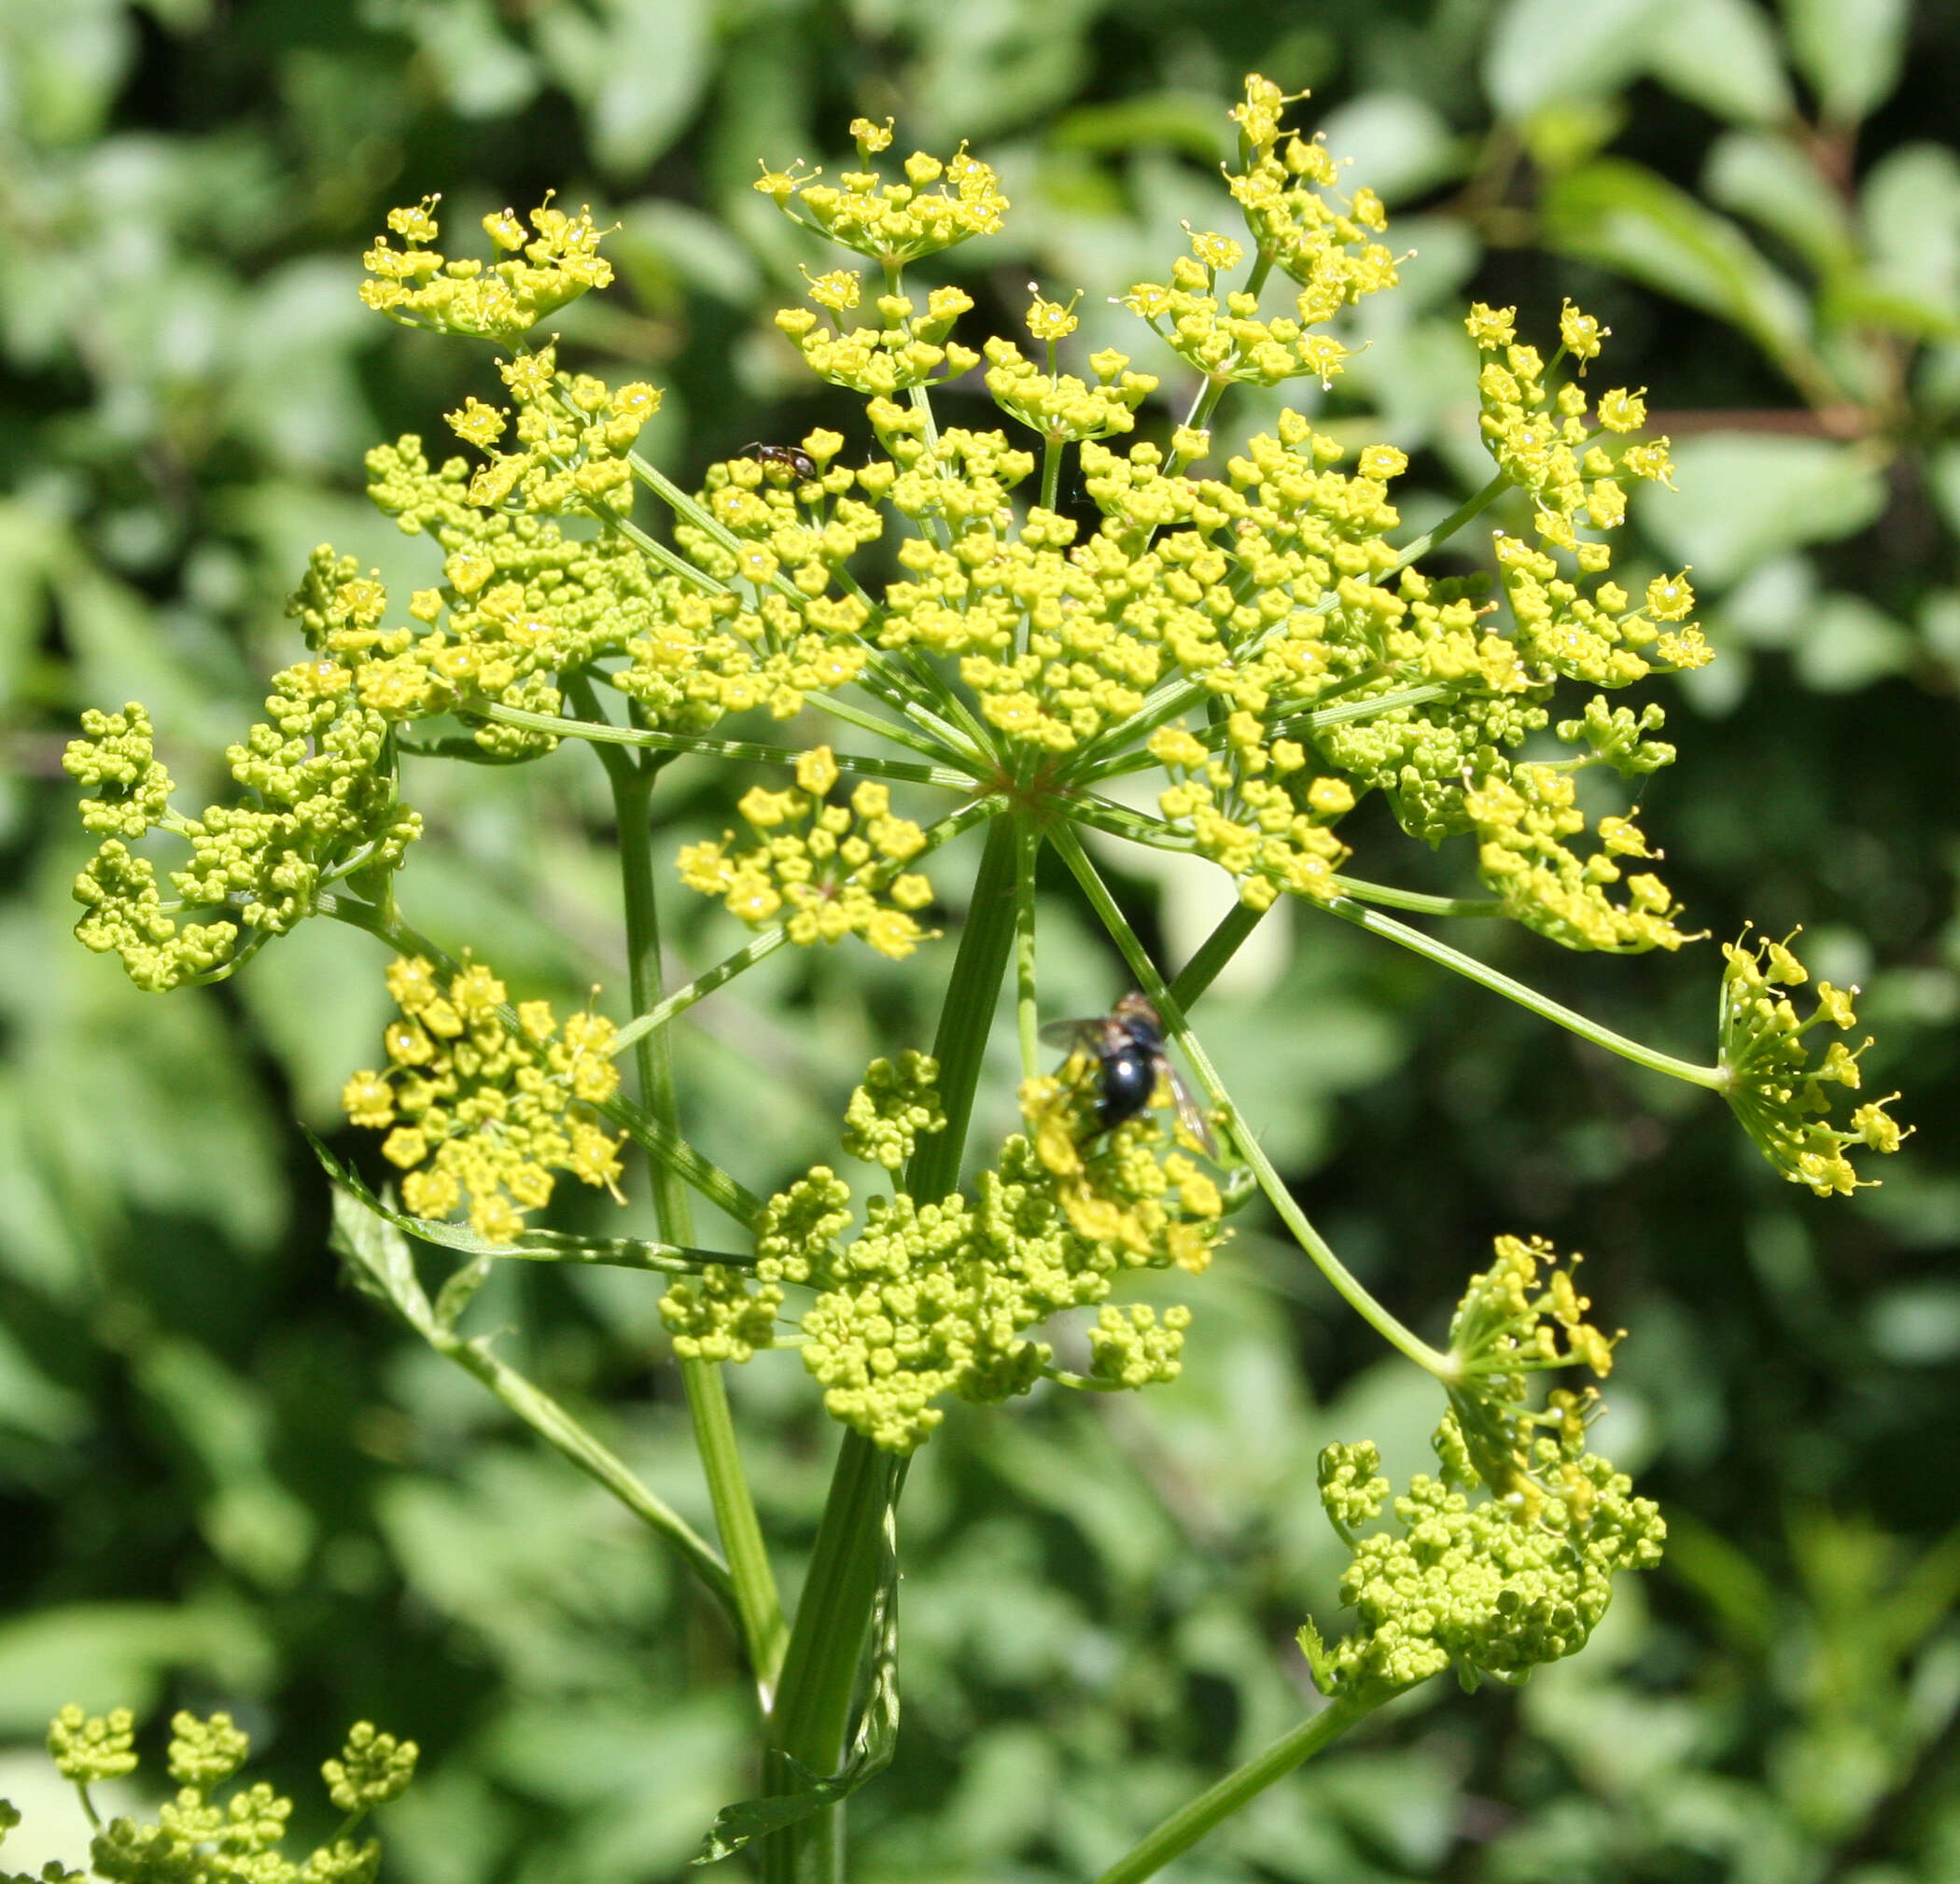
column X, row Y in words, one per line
column 820, row 1672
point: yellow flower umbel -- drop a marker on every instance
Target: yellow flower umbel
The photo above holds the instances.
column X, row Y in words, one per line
column 1224, row 336
column 1127, row 1187
column 482, row 1106
column 929, row 1300
column 1776, row 1089
column 838, row 869
column 1295, row 217
column 939, row 202
column 541, row 272
column 1061, row 408
column 1505, row 1560
column 1520, row 1317
column 909, row 349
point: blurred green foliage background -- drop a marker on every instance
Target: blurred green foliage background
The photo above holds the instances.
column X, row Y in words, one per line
column 226, row 1481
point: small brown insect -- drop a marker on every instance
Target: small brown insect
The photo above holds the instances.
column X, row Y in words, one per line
column 792, row 458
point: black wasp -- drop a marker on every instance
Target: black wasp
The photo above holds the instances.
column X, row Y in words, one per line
column 1127, row 1045
column 792, row 458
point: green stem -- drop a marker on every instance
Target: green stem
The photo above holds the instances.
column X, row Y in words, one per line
column 1471, row 505
column 1713, row 1078
column 1027, row 852
column 1392, row 898
column 1170, row 1012
column 826, row 1646
column 601, row 732
column 1051, row 472
column 559, row 1429
column 954, row 746
column 682, row 998
column 764, row 1631
column 1187, row 1826
column 1217, row 949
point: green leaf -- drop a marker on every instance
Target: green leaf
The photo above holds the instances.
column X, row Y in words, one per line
column 1910, row 208
column 1769, row 180
column 1848, row 644
column 1744, row 500
column 1722, row 54
column 120, row 1655
column 459, row 1291
column 369, row 1240
column 1318, row 1659
column 1547, row 51
column 873, row 1743
column 637, row 69
column 1622, row 215
column 1849, row 52
column 480, row 73
column 1188, row 122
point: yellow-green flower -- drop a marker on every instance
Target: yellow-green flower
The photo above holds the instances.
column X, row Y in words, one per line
column 479, row 1112
column 1779, row 1091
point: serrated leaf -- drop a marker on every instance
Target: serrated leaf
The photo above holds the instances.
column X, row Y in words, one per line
column 1319, row 1661
column 372, row 1246
column 459, row 1291
column 1624, row 217
column 873, row 1743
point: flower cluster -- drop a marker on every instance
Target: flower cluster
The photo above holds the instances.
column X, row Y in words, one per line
column 1261, row 817
column 482, row 1104
column 829, row 864
column 541, row 273
column 1063, row 409
column 1286, row 195
column 1498, row 1583
column 1520, row 1317
column 925, row 1300
column 194, row 1836
column 573, row 435
column 895, row 1108
column 1775, row 1088
column 1522, row 822
column 909, row 349
column 1227, row 339
column 940, row 202
column 320, row 805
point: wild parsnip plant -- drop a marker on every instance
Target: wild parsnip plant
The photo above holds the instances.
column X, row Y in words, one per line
column 1250, row 629
column 195, row 1835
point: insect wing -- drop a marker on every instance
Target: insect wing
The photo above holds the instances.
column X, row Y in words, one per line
column 1088, row 1035
column 1190, row 1114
